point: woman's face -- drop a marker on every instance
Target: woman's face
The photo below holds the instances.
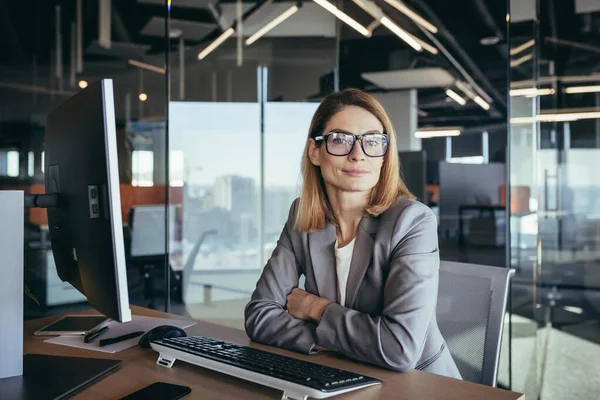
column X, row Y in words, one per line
column 355, row 172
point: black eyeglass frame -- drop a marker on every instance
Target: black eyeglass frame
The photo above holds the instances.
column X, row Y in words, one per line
column 356, row 138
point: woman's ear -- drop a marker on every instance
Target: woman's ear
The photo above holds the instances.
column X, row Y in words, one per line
column 314, row 153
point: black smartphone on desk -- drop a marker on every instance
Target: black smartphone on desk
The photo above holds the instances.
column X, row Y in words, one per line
column 159, row 391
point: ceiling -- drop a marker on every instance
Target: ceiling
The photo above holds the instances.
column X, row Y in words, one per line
column 570, row 30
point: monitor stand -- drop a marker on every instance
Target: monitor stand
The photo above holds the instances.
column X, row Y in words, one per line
column 54, row 377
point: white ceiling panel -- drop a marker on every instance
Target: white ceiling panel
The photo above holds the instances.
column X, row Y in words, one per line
column 190, row 30
column 310, row 20
column 522, row 10
column 416, row 78
column 180, row 3
column 587, row 6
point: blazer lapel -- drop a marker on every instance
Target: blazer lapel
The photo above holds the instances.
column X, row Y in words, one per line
column 322, row 253
column 361, row 257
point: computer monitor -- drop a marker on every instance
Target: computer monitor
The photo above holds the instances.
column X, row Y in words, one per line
column 86, row 229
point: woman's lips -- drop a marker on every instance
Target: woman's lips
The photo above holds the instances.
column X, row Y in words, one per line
column 355, row 172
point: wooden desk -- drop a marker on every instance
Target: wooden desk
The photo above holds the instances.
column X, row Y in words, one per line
column 139, row 369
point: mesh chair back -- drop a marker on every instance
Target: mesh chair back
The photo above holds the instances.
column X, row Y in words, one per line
column 470, row 314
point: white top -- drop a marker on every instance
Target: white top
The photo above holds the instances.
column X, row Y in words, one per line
column 343, row 257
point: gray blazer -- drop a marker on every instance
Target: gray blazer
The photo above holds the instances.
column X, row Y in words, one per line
column 388, row 318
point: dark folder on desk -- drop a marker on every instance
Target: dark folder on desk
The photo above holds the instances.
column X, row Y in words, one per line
column 55, row 377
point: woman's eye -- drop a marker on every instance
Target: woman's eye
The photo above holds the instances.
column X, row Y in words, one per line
column 373, row 142
column 339, row 141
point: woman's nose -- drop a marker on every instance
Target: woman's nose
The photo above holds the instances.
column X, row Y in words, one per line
column 357, row 153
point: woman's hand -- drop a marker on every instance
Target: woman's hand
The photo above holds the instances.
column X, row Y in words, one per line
column 306, row 306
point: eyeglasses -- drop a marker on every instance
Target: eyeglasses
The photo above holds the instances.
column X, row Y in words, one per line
column 341, row 144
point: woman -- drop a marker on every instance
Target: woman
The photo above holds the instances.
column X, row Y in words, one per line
column 368, row 251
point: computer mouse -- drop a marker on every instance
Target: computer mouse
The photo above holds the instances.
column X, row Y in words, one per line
column 160, row 332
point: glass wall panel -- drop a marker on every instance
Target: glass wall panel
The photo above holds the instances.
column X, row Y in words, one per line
column 522, row 338
column 50, row 51
column 568, row 218
column 286, row 130
column 218, row 253
column 239, row 117
column 220, row 145
column 554, row 153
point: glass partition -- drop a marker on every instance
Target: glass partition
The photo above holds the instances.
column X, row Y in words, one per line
column 520, row 363
column 54, row 49
column 220, row 145
column 286, row 130
column 239, row 115
column 220, row 255
column 554, row 219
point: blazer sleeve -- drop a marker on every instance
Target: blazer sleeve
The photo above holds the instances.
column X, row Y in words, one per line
column 394, row 339
column 266, row 318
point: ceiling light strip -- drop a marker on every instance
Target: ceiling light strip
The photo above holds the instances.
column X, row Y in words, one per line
column 148, row 67
column 455, row 96
column 482, row 103
column 398, row 5
column 268, row 27
column 531, row 92
column 216, row 43
column 437, row 132
column 401, row 33
column 519, row 61
column 582, row 89
column 343, row 17
column 564, row 117
column 375, row 11
column 524, row 46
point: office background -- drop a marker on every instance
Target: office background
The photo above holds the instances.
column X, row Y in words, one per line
column 214, row 145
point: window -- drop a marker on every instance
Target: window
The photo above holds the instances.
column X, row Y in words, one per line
column 12, row 163
column 30, row 163
column 142, row 167
column 219, row 160
column 176, row 168
column 467, row 160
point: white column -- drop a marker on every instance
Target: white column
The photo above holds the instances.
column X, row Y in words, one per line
column 448, row 148
column 485, row 147
column 401, row 106
column 11, row 283
column 181, row 68
column 104, row 23
column 159, row 147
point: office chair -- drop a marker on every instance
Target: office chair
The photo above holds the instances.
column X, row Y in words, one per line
column 145, row 249
column 145, row 246
column 188, row 267
column 470, row 313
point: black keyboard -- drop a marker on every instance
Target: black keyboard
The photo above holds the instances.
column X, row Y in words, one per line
column 319, row 377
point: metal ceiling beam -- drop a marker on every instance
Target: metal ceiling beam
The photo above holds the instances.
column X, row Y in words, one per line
column 215, row 10
column 576, row 45
column 488, row 20
column 119, row 26
column 432, row 16
column 485, row 14
column 258, row 5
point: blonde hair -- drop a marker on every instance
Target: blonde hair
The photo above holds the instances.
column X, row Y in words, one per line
column 314, row 208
